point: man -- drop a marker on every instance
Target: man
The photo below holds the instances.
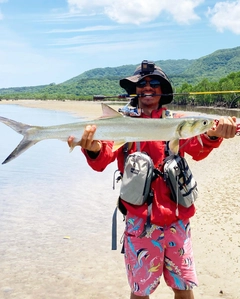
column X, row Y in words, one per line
column 166, row 249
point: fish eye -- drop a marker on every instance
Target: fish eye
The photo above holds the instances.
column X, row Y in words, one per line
column 205, row 122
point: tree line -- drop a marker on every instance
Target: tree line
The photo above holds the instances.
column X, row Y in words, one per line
column 227, row 92
column 85, row 89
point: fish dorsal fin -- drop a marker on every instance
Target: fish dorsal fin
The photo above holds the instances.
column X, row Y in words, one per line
column 109, row 112
column 118, row 144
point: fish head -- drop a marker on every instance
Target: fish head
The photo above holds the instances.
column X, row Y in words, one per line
column 191, row 127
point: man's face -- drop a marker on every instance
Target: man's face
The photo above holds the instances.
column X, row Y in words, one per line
column 149, row 91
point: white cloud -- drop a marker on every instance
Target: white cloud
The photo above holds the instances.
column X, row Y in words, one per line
column 139, row 11
column 183, row 11
column 225, row 16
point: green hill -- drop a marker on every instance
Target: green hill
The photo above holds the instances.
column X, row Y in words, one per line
column 215, row 66
column 105, row 81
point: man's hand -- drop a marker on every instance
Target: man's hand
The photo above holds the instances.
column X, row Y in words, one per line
column 226, row 128
column 87, row 141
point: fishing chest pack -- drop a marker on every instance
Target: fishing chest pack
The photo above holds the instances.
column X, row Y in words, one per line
column 139, row 173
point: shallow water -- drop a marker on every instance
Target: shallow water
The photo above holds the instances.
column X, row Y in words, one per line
column 46, row 172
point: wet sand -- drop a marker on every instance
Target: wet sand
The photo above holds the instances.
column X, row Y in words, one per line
column 61, row 263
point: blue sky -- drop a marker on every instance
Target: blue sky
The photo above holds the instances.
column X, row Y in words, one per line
column 46, row 41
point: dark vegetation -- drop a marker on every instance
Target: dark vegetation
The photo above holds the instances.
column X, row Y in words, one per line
column 219, row 71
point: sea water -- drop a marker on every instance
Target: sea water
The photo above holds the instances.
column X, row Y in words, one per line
column 47, row 184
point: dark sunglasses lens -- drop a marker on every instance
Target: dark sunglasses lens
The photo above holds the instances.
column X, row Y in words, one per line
column 153, row 83
column 141, row 84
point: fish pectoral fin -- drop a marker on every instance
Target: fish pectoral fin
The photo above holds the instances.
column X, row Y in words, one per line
column 109, row 112
column 200, row 140
column 174, row 146
column 71, row 148
column 118, row 144
column 72, row 145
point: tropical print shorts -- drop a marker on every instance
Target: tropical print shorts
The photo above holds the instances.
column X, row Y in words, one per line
column 163, row 250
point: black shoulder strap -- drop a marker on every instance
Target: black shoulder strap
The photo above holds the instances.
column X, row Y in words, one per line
column 167, row 150
column 125, row 151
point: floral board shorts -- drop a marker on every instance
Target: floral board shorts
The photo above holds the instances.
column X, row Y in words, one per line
column 163, row 250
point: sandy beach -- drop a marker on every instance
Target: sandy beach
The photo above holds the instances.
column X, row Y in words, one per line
column 70, row 267
column 82, row 108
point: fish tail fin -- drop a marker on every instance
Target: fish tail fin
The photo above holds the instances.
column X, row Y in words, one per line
column 25, row 143
column 22, row 147
column 16, row 126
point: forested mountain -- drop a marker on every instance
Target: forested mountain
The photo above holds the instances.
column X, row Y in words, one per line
column 105, row 81
column 213, row 67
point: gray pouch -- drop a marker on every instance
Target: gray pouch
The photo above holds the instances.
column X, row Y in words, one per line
column 137, row 178
column 180, row 180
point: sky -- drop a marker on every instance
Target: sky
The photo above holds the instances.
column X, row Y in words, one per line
column 43, row 41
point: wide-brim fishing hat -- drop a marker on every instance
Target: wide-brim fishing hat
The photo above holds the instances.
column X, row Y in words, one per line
column 129, row 83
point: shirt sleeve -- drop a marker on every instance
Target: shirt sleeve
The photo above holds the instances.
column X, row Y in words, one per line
column 105, row 157
column 199, row 149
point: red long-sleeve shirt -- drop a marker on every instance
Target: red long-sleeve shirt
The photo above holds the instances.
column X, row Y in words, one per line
column 163, row 208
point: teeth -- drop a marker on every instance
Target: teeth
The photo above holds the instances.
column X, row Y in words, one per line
column 148, row 95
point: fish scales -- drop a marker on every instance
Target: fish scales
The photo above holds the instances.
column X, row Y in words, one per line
column 129, row 129
column 126, row 128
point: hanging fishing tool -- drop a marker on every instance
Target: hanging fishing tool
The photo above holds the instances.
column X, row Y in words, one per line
column 130, row 111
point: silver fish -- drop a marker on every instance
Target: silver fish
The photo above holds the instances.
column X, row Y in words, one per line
column 111, row 126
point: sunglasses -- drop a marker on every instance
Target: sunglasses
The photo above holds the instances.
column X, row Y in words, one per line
column 153, row 83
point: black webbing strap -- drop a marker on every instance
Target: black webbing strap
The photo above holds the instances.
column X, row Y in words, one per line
column 149, row 210
column 114, row 229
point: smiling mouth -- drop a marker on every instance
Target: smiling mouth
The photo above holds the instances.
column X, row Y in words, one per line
column 147, row 95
